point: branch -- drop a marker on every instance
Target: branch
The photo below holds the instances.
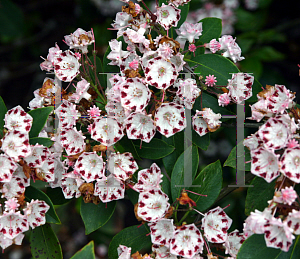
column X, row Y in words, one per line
column 246, row 124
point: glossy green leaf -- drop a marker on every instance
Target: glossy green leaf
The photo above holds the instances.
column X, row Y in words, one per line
column 11, row 19
column 177, row 141
column 96, row 216
column 213, row 64
column 3, row 110
column 56, row 196
column 36, row 194
column 40, row 116
column 211, row 29
column 163, row 2
column 155, row 149
column 44, row 243
column 42, row 141
column 255, row 247
column 134, row 237
column 184, row 171
column 259, row 195
column 87, row 252
column 126, row 145
column 211, row 102
column 232, row 162
column 201, row 142
column 210, row 179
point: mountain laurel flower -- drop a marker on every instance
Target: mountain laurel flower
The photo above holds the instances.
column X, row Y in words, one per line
column 35, row 212
column 264, row 164
column 11, row 205
column 107, row 130
column 162, row 231
column 152, row 205
column 165, row 50
column 187, row 92
column 210, row 80
column 116, row 53
column 38, row 156
column 170, row 119
column 80, row 39
column 213, row 45
column 287, row 195
column 48, row 63
column 189, row 31
column 73, row 141
column 67, row 114
column 179, row 2
column 16, row 145
column 167, row 16
column 233, row 242
column 70, row 185
column 139, row 125
column 187, row 241
column 109, row 189
column 7, row 168
column 224, row 99
column 94, row 111
column 90, row 166
column 82, row 88
column 160, row 73
column 232, row 49
column 17, row 119
column 66, row 66
column 211, row 119
column 122, row 166
column 290, row 166
column 124, row 252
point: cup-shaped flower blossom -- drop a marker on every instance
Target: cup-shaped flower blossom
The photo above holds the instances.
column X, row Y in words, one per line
column 168, row 16
column 264, row 164
column 80, row 39
column 45, row 172
column 66, row 66
column 73, row 141
column 160, row 73
column 293, row 221
column 240, row 87
column 187, row 241
column 232, row 49
column 70, row 185
column 162, row 231
column 17, row 119
column 140, row 126
column 16, row 145
column 67, row 114
column 35, row 212
column 122, row 166
column 135, row 95
column 109, row 189
column 82, row 88
column 7, row 168
column 107, row 131
column 233, row 242
column 170, row 119
column 290, row 164
column 90, row 166
column 152, row 205
column 12, row 224
column 38, row 156
column 187, row 92
column 189, row 31
column 14, row 188
column 149, row 178
column 215, row 225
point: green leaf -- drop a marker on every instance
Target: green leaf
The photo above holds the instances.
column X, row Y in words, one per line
column 252, row 65
column 267, row 54
column 40, row 116
column 36, row 194
column 87, row 252
column 210, row 179
column 211, row 102
column 259, row 195
column 177, row 140
column 11, row 19
column 155, row 149
column 201, row 142
column 231, row 159
column 96, row 216
column 44, row 243
column 163, row 2
column 213, row 64
column 42, row 141
column 250, row 21
column 255, row 247
column 56, row 196
column 134, row 237
column 211, row 29
column 126, row 145
column 185, row 168
column 99, row 69
column 3, row 111
column 183, row 14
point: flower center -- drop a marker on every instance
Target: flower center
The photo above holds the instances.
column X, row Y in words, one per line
column 161, row 71
column 11, row 145
column 167, row 116
column 165, row 14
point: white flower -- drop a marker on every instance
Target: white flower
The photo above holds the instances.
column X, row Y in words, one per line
column 35, row 212
column 80, row 39
column 189, row 31
column 167, row 16
column 17, row 119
